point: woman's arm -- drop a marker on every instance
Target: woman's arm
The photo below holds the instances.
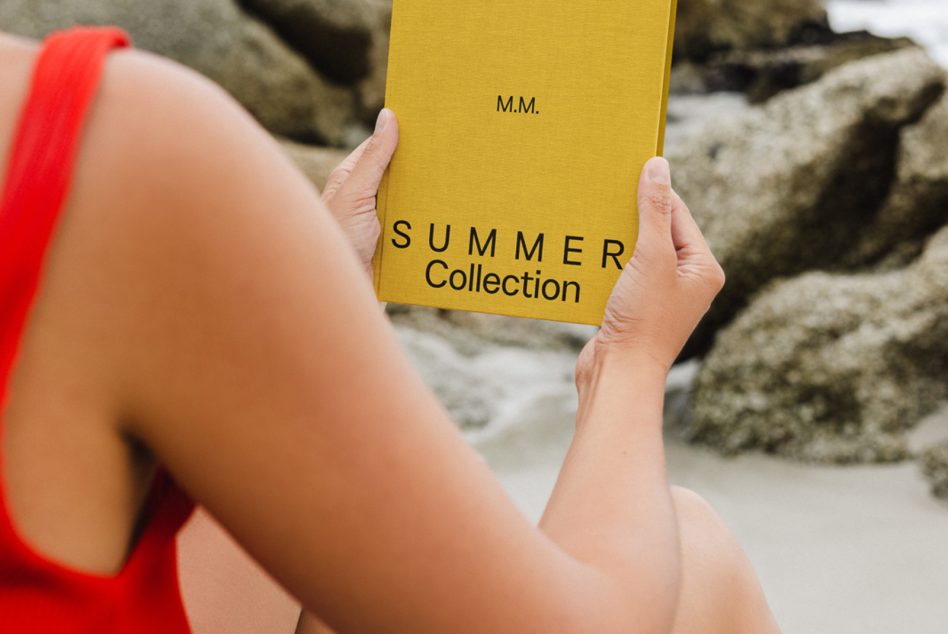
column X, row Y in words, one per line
column 613, row 483
column 253, row 363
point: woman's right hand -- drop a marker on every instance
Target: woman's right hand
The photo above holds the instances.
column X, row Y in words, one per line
column 668, row 284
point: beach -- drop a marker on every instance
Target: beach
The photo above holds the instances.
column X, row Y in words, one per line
column 860, row 549
column 838, row 550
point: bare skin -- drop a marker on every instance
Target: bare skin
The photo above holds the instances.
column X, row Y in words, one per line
column 203, row 309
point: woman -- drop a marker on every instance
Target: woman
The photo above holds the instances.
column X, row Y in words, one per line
column 180, row 310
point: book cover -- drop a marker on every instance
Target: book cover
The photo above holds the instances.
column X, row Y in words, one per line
column 524, row 125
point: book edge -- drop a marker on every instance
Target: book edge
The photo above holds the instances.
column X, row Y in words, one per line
column 669, row 50
column 382, row 196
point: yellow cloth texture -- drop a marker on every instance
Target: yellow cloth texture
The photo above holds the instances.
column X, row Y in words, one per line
column 523, row 128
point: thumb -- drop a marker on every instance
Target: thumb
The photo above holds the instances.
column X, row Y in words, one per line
column 655, row 204
column 367, row 173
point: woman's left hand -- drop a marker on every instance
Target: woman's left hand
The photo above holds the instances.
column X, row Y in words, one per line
column 350, row 192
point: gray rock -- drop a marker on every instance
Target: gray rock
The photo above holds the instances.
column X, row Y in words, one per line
column 783, row 188
column 763, row 73
column 470, row 399
column 830, row 368
column 371, row 90
column 934, row 463
column 708, row 26
column 484, row 375
column 918, row 200
column 217, row 39
column 346, row 40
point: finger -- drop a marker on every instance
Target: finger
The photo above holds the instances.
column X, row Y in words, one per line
column 694, row 255
column 655, row 206
column 686, row 235
column 367, row 173
column 339, row 175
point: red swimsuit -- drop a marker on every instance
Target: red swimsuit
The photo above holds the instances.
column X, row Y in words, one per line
column 36, row 594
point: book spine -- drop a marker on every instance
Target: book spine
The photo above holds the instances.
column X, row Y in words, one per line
column 381, row 202
column 669, row 50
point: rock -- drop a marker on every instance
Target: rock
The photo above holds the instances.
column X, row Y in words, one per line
column 467, row 396
column 830, row 368
column 335, row 37
column 934, row 463
column 708, row 26
column 783, row 188
column 763, row 73
column 217, row 39
column 371, row 90
column 478, row 366
column 315, row 162
column 347, row 41
column 918, row 201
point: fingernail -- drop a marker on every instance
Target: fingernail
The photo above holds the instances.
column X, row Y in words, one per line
column 658, row 171
column 382, row 121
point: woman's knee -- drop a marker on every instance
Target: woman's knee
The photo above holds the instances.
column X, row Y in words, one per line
column 696, row 513
column 690, row 502
column 720, row 590
column 705, row 538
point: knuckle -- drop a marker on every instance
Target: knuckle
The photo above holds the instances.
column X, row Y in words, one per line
column 357, row 199
column 375, row 228
column 337, row 175
column 331, row 190
column 364, row 204
column 334, row 175
column 717, row 277
column 659, row 200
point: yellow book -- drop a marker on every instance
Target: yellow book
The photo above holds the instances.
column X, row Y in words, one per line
column 524, row 125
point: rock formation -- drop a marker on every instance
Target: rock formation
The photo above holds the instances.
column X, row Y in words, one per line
column 216, row 38
column 918, row 199
column 763, row 73
column 783, row 188
column 345, row 41
column 830, row 368
column 935, row 467
column 709, row 26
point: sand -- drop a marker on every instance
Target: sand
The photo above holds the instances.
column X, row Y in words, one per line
column 838, row 549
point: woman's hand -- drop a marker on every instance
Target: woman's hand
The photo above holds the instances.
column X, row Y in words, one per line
column 666, row 287
column 351, row 190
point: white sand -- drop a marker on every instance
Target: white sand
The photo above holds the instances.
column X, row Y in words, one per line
column 860, row 550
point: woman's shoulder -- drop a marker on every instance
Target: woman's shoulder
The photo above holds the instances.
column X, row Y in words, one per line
column 175, row 189
column 163, row 145
column 171, row 172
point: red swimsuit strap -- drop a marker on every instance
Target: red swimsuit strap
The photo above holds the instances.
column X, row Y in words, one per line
column 43, row 153
column 38, row 594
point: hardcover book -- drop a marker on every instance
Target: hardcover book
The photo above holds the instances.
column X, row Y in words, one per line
column 524, row 125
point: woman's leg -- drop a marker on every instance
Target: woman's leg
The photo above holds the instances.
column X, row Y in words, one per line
column 720, row 592
column 223, row 589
